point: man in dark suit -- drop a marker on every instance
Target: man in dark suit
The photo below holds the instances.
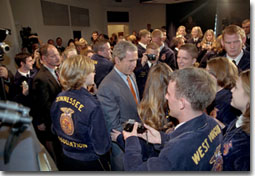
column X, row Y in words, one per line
column 233, row 40
column 103, row 60
column 119, row 96
column 59, row 45
column 45, row 88
column 166, row 55
column 144, row 40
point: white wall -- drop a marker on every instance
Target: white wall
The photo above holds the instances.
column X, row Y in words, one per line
column 24, row 13
column 28, row 13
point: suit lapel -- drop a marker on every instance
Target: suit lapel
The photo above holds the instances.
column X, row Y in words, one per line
column 124, row 87
column 51, row 78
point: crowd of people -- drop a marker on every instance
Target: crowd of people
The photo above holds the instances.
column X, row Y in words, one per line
column 192, row 96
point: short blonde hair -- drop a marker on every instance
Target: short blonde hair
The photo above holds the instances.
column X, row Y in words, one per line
column 157, row 33
column 74, row 71
column 199, row 30
column 65, row 53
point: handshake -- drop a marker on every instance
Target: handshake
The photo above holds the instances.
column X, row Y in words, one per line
column 128, row 126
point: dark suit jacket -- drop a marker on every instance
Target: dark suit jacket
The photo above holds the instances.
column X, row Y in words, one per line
column 16, row 89
column 102, row 66
column 45, row 89
column 141, row 74
column 191, row 40
column 244, row 63
column 141, row 50
column 170, row 57
column 117, row 101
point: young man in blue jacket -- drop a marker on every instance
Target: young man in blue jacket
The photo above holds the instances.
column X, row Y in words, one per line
column 195, row 143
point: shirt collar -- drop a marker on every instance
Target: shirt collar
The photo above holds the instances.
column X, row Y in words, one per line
column 180, row 124
column 239, row 121
column 237, row 59
column 143, row 45
column 24, row 74
column 161, row 47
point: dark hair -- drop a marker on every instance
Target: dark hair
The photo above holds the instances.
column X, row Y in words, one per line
column 21, row 57
column 70, row 41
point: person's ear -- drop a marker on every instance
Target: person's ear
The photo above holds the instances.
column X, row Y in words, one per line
column 182, row 103
column 244, row 40
column 222, row 42
column 194, row 61
column 117, row 60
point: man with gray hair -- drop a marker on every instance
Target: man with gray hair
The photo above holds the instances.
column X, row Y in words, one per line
column 195, row 143
column 118, row 94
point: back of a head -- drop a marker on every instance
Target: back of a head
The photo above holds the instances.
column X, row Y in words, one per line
column 233, row 29
column 69, row 51
column 191, row 49
column 153, row 106
column 195, row 85
column 153, row 46
column 157, row 33
column 121, row 48
column 99, row 45
column 74, row 70
column 224, row 70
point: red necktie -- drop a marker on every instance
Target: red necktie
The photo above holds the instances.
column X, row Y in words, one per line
column 132, row 89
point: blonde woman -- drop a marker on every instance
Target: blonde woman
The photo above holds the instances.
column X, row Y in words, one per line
column 208, row 40
column 77, row 118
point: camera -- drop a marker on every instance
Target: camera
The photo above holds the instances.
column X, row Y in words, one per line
column 128, row 126
column 151, row 57
column 4, row 48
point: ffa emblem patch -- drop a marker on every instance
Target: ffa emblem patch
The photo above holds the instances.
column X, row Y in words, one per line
column 66, row 121
column 226, row 147
column 217, row 160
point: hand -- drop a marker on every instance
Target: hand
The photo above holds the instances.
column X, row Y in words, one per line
column 25, row 90
column 213, row 113
column 132, row 133
column 144, row 59
column 92, row 88
column 41, row 127
column 3, row 72
column 33, row 36
column 115, row 134
column 152, row 135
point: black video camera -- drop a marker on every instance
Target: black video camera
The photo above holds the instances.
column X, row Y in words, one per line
column 4, row 48
column 151, row 57
column 129, row 125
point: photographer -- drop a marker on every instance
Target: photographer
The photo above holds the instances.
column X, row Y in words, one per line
column 195, row 143
column 150, row 58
